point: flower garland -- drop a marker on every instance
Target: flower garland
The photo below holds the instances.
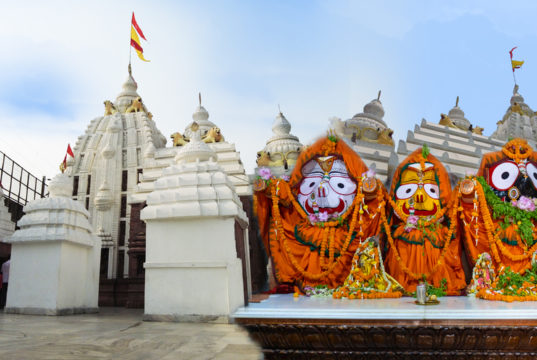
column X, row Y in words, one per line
column 373, row 285
column 521, row 150
column 440, row 260
column 329, row 232
column 493, row 236
column 510, row 213
column 420, row 223
column 511, row 286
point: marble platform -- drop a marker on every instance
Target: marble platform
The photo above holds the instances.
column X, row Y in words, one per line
column 458, row 328
column 285, row 306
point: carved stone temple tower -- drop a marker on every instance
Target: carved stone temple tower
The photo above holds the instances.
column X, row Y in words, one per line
column 109, row 158
column 369, row 135
column 519, row 121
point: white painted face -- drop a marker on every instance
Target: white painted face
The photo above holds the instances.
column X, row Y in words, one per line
column 326, row 195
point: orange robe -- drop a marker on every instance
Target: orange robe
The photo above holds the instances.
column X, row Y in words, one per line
column 301, row 243
column 510, row 241
column 420, row 249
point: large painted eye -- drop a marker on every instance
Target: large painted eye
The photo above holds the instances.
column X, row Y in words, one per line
column 405, row 191
column 432, row 190
column 504, row 175
column 343, row 185
column 309, row 184
column 532, row 173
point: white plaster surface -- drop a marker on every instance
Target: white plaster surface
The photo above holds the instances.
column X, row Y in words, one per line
column 54, row 257
column 451, row 307
column 191, row 266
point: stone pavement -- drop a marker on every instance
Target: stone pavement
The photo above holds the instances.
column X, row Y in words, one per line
column 118, row 333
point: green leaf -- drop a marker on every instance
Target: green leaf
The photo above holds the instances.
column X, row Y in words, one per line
column 425, row 151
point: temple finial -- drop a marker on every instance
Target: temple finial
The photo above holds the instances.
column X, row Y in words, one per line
column 515, row 89
column 199, row 95
column 130, row 69
column 378, row 96
column 279, row 110
column 457, row 102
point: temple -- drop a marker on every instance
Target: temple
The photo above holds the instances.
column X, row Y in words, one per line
column 151, row 207
column 122, row 153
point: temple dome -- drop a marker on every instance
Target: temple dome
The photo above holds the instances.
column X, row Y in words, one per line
column 457, row 116
column 371, row 117
column 201, row 117
column 128, row 94
column 195, row 150
column 374, row 108
column 281, row 126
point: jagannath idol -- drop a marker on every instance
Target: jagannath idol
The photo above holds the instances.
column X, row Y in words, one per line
column 498, row 214
column 420, row 226
column 313, row 224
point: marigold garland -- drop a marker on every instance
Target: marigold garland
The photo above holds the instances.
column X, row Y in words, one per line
column 440, row 260
column 401, row 215
column 511, row 286
column 329, row 230
column 521, row 148
column 493, row 237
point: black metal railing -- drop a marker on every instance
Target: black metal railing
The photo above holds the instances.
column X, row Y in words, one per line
column 18, row 184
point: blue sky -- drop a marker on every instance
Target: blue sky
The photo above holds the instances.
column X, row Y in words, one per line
column 317, row 59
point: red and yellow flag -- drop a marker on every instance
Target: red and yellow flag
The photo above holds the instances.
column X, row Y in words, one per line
column 135, row 40
column 515, row 64
column 63, row 165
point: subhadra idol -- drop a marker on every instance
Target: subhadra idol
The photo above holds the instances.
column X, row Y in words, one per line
column 313, row 223
column 498, row 212
column 420, row 226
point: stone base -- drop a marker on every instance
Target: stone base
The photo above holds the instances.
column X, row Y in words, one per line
column 457, row 328
column 52, row 312
column 211, row 319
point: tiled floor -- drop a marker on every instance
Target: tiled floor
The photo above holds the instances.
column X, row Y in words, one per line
column 117, row 333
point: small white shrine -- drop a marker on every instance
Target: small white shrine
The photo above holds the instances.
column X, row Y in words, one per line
column 54, row 256
column 194, row 220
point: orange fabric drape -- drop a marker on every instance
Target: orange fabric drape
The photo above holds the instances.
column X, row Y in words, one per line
column 303, row 240
column 421, row 249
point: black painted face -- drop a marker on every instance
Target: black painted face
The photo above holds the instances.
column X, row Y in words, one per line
column 526, row 186
column 506, row 174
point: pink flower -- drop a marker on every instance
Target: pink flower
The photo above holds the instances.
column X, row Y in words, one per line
column 412, row 219
column 285, row 177
column 313, row 218
column 525, row 203
column 323, row 216
column 264, row 173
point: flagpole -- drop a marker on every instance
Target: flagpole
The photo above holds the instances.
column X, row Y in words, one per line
column 130, row 47
column 514, row 78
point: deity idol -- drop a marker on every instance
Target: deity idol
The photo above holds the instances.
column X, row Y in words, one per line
column 313, row 223
column 420, row 226
column 498, row 207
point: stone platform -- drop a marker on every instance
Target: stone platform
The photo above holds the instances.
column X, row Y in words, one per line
column 119, row 333
column 457, row 328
